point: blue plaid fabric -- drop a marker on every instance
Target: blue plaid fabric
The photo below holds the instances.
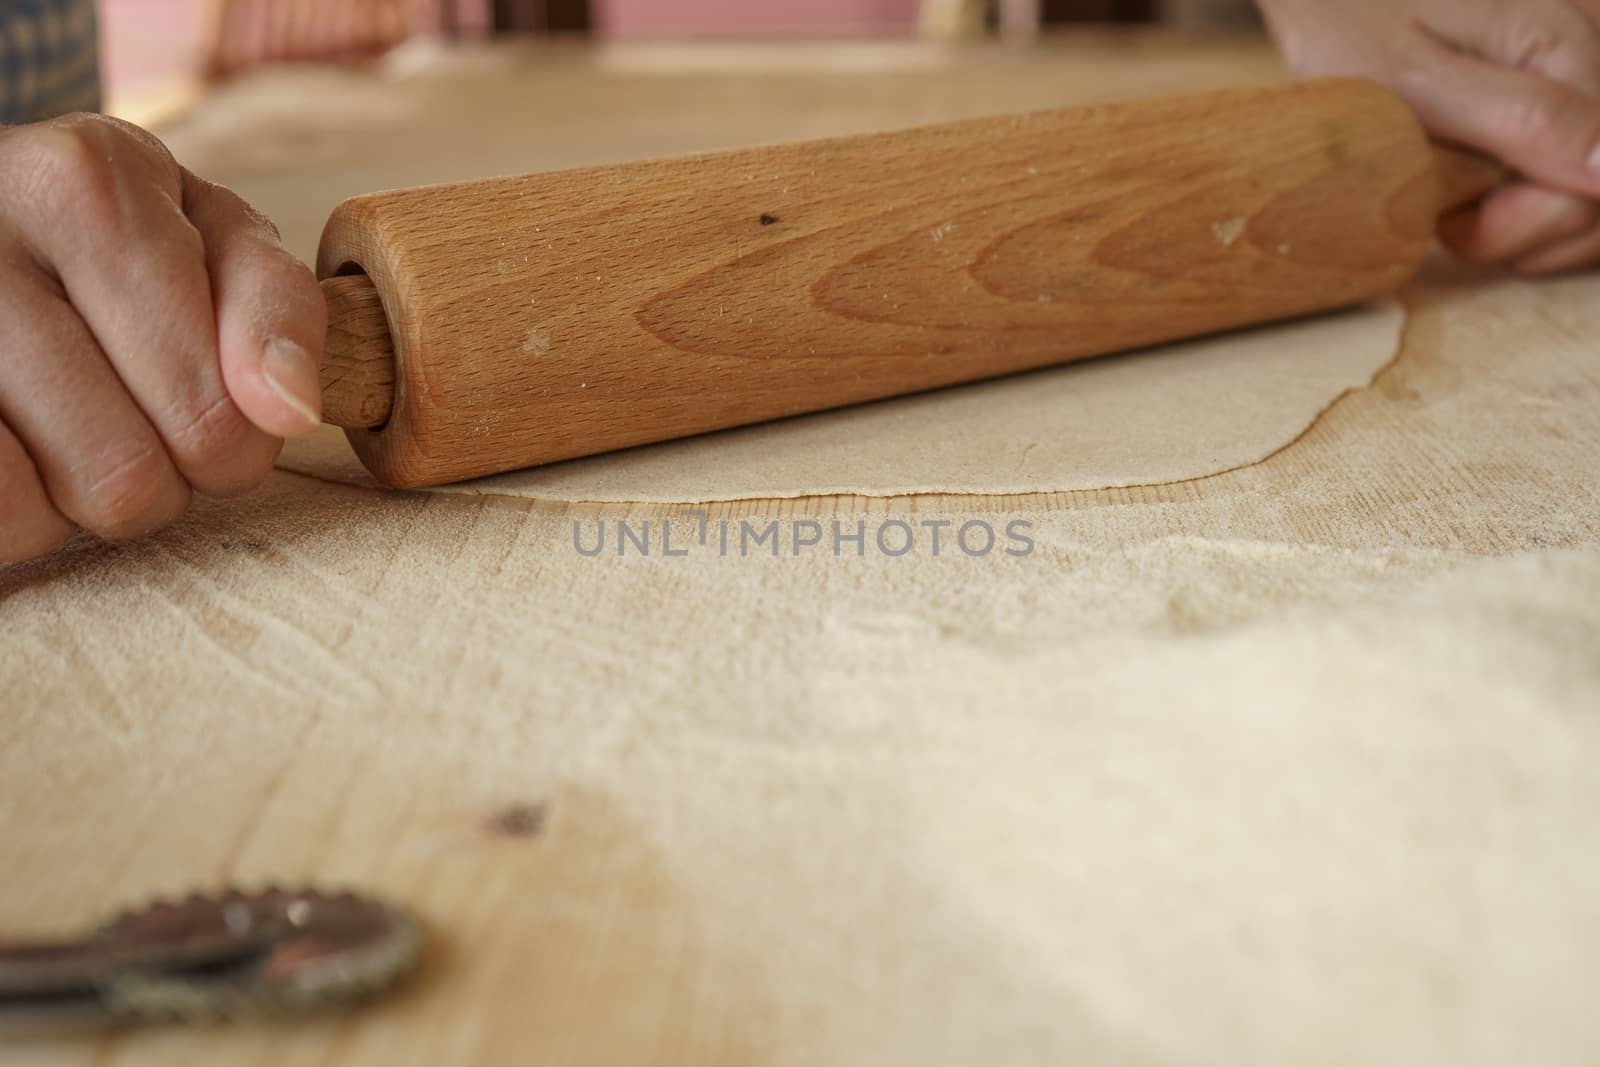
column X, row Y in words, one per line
column 49, row 59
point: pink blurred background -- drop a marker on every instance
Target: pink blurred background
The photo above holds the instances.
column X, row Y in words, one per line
column 158, row 49
column 147, row 44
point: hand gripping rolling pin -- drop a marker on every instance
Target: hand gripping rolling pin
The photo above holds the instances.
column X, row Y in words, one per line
column 498, row 324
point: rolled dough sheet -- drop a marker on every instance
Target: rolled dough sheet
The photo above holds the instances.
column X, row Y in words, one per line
column 1164, row 415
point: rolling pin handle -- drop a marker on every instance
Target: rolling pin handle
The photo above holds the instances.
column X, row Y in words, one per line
column 1465, row 177
column 358, row 357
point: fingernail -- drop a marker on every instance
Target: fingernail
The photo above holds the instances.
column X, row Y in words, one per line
column 1594, row 160
column 292, row 373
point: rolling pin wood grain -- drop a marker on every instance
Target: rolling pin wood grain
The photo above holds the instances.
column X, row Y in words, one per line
column 505, row 323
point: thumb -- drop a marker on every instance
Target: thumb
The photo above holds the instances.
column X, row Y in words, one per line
column 1544, row 125
column 271, row 316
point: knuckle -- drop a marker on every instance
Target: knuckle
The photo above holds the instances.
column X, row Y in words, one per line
column 72, row 170
column 258, row 219
column 267, row 225
column 184, row 236
column 217, row 448
column 130, row 494
column 302, row 298
column 65, row 170
column 1564, row 50
column 1533, row 41
column 207, row 433
column 1533, row 35
column 231, row 212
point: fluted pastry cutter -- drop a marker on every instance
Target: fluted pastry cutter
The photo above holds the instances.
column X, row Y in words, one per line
column 207, row 958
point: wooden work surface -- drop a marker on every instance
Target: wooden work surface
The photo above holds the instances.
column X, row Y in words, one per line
column 1289, row 764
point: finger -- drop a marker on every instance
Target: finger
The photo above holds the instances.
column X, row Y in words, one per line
column 1572, row 254
column 1548, row 37
column 99, row 459
column 1542, row 128
column 149, row 305
column 30, row 525
column 271, row 317
column 1516, row 221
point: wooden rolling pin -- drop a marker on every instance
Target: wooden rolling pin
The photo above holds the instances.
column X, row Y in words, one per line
column 499, row 324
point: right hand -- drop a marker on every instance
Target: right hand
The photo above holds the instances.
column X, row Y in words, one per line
column 1517, row 79
column 155, row 337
